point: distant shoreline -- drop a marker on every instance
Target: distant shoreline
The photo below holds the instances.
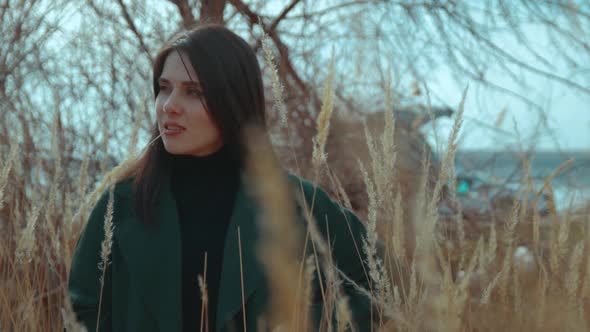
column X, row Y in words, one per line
column 491, row 151
column 538, row 157
column 506, row 164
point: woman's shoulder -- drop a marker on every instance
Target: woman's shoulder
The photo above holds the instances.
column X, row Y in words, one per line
column 332, row 218
column 114, row 201
column 305, row 186
column 298, row 180
column 124, row 187
column 122, row 192
column 314, row 194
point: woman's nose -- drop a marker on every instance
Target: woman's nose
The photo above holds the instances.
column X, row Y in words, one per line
column 171, row 106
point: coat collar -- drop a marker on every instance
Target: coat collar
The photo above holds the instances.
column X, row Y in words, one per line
column 153, row 256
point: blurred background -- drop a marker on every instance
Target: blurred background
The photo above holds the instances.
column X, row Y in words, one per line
column 75, row 76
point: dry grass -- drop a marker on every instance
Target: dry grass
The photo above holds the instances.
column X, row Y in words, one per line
column 281, row 251
column 529, row 273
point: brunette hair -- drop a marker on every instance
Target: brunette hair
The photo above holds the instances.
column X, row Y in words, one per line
column 231, row 81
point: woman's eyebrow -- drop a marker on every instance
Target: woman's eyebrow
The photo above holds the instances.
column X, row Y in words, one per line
column 187, row 83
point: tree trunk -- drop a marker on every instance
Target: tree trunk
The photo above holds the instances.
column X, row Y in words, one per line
column 212, row 11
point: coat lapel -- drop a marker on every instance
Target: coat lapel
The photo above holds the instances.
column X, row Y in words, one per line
column 242, row 234
column 153, row 256
column 154, row 259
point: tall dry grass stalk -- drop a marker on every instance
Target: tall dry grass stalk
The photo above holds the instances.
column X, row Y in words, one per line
column 106, row 247
column 8, row 164
column 319, row 157
column 278, row 98
column 321, row 252
column 335, row 302
column 25, row 249
column 277, row 86
column 377, row 272
column 204, row 298
column 282, row 239
column 384, row 203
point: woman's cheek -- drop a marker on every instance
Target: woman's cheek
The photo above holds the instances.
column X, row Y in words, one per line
column 159, row 104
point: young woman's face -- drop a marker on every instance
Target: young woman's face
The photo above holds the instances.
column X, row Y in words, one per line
column 182, row 102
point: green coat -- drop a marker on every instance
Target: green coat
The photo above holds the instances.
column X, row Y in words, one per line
column 142, row 289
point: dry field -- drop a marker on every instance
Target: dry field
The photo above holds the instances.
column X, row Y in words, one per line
column 524, row 273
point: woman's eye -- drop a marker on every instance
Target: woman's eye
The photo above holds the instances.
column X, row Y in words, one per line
column 195, row 93
column 164, row 88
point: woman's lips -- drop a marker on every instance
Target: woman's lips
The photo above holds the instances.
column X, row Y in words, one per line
column 172, row 133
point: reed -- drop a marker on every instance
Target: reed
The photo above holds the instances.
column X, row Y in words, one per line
column 282, row 242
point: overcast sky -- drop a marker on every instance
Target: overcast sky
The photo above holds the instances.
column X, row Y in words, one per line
column 568, row 116
column 567, row 110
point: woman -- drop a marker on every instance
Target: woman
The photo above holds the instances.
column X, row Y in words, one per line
column 185, row 200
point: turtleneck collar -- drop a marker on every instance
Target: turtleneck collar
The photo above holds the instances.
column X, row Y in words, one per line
column 189, row 166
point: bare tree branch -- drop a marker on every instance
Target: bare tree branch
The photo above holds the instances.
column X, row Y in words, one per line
column 283, row 14
column 462, row 21
column 212, row 10
column 285, row 61
column 133, row 29
column 188, row 19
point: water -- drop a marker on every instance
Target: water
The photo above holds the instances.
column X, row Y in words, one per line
column 571, row 187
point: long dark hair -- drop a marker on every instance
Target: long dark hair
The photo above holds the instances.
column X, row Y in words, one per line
column 231, row 81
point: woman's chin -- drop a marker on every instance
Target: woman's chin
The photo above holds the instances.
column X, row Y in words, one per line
column 173, row 149
column 200, row 151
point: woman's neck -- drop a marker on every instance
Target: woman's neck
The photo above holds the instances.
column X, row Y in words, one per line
column 216, row 163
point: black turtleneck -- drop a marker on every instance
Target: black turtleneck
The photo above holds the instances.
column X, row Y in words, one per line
column 205, row 189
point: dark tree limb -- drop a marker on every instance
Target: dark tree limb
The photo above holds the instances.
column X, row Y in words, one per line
column 133, row 29
column 188, row 19
column 283, row 14
column 212, row 11
column 285, row 61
